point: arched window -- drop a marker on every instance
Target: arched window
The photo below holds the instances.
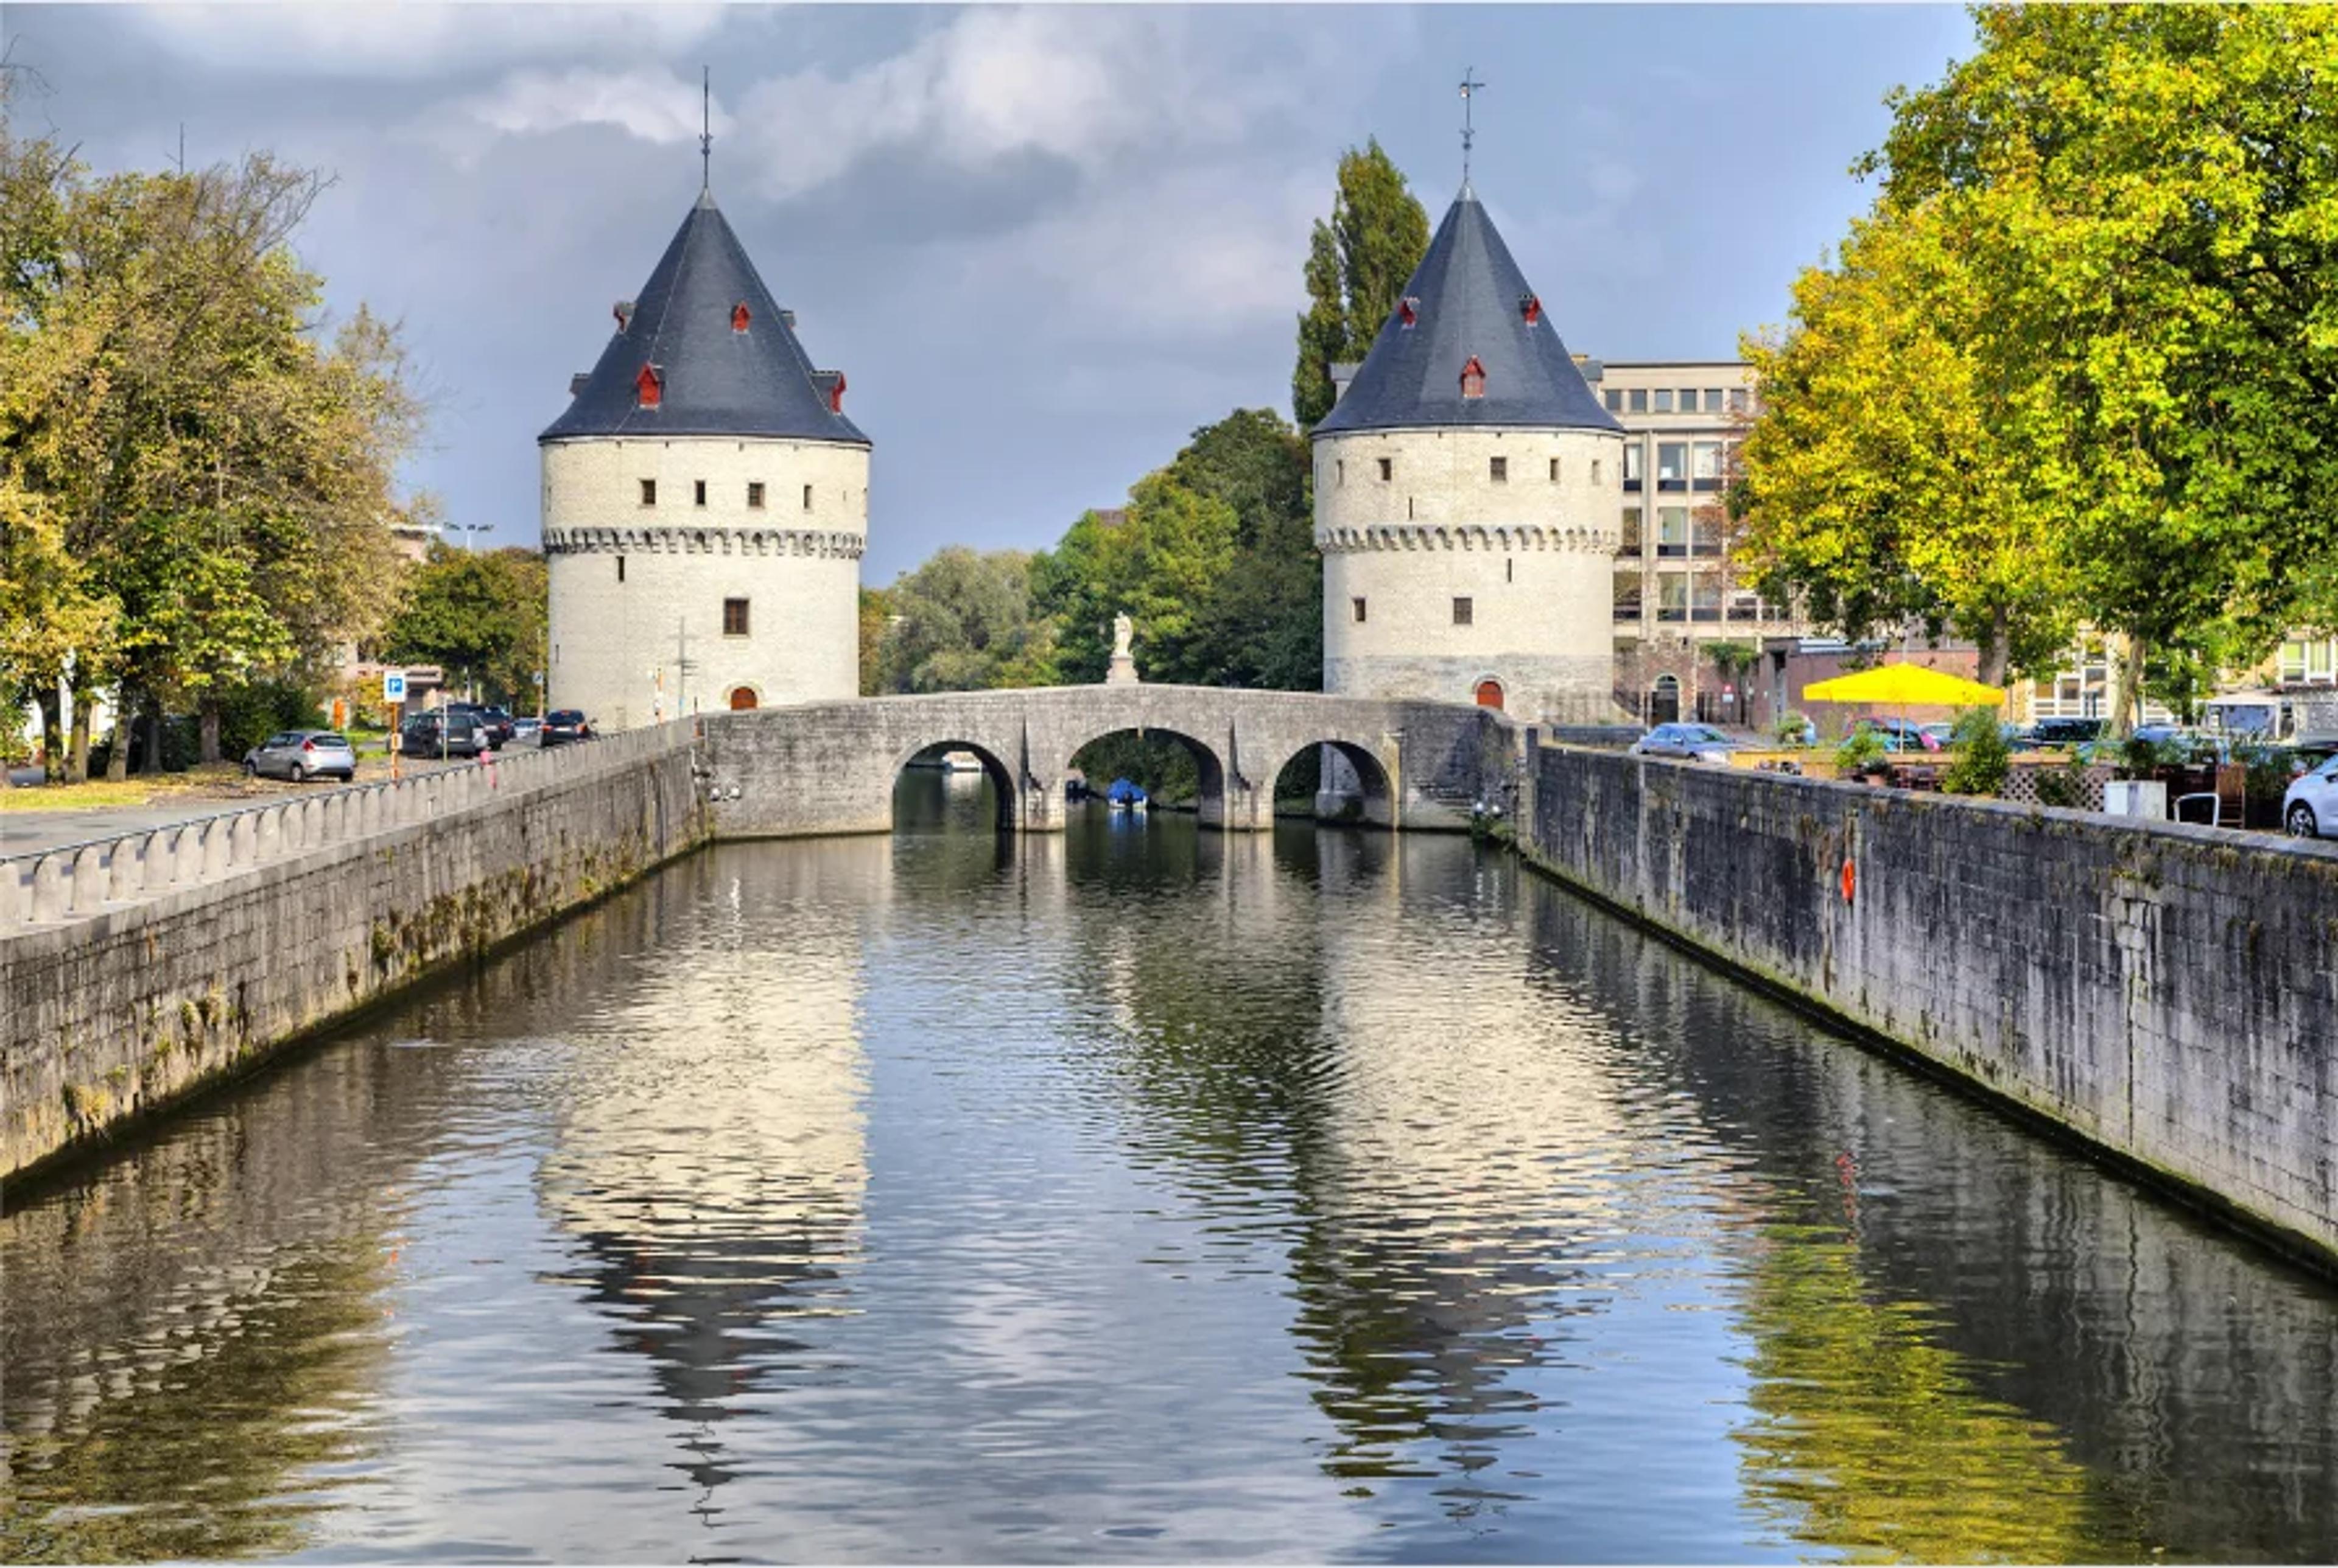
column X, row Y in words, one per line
column 1473, row 378
column 1664, row 700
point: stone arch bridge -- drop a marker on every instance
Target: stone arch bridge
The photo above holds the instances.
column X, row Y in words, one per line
column 831, row 768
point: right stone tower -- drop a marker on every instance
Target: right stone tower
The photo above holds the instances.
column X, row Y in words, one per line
column 1467, row 487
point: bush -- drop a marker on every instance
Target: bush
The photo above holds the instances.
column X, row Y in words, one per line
column 2064, row 786
column 1861, row 751
column 1795, row 730
column 1983, row 758
column 2271, row 770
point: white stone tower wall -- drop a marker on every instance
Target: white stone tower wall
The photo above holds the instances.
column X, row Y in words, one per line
column 798, row 567
column 1533, row 554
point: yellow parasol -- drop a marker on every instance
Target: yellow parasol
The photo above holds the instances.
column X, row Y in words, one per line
column 1905, row 685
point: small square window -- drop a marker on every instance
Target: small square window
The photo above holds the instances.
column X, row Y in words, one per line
column 1498, row 469
column 1388, row 469
column 1688, row 399
column 1554, row 470
column 1639, row 399
column 1737, row 399
column 1663, row 399
column 755, row 493
column 1615, row 400
column 697, row 492
column 1359, row 604
column 734, row 617
column 1713, row 399
column 807, row 497
column 649, row 492
column 1464, row 612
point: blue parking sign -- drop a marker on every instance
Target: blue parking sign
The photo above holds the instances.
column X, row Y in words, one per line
column 393, row 685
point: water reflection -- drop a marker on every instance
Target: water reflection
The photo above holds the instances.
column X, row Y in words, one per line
column 1134, row 1193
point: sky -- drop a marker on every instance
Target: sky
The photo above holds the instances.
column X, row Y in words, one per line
column 1044, row 244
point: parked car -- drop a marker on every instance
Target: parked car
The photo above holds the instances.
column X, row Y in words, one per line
column 495, row 721
column 1693, row 742
column 562, row 725
column 302, row 754
column 2310, row 810
column 2049, row 733
column 446, row 734
column 526, row 732
column 1904, row 735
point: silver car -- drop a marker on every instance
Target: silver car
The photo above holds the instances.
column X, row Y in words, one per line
column 1691, row 742
column 2310, row 810
column 302, row 754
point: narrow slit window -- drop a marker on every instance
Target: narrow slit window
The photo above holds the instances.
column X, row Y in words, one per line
column 807, row 497
column 755, row 493
column 1554, row 470
column 734, row 617
column 697, row 492
column 1498, row 469
column 1388, row 469
column 1340, row 471
column 620, row 568
column 1359, row 604
column 649, row 492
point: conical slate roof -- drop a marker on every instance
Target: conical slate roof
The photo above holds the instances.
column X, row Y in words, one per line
column 1468, row 301
column 716, row 379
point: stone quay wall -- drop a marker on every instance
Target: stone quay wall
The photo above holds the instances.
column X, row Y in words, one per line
column 2168, row 994
column 137, row 970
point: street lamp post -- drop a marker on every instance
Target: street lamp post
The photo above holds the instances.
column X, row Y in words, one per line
column 469, row 530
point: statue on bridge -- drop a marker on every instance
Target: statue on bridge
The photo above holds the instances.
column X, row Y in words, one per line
column 1122, row 671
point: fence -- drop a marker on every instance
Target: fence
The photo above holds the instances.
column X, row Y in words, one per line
column 73, row 882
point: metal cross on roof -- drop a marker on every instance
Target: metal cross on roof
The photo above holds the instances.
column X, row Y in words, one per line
column 1469, row 133
column 706, row 128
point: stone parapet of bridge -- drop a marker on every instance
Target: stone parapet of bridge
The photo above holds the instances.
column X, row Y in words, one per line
column 831, row 768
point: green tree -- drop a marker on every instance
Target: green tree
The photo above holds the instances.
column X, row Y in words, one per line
column 1357, row 267
column 963, row 621
column 1212, row 559
column 2139, row 199
column 481, row 615
column 876, row 615
column 1887, row 480
column 217, row 470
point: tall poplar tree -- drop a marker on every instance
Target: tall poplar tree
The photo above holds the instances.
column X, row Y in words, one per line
column 1356, row 265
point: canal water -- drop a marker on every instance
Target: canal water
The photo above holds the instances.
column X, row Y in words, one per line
column 1133, row 1194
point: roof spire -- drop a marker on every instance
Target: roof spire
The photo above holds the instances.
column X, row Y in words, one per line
column 706, row 131
column 1468, row 132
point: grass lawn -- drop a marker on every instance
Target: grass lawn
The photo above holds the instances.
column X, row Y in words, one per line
column 224, row 780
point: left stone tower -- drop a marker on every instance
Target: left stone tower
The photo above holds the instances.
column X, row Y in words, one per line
column 705, row 504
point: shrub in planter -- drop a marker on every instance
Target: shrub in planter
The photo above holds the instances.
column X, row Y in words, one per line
column 1983, row 760
column 1863, row 752
column 2064, row 786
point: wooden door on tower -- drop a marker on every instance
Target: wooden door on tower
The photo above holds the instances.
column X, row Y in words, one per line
column 1490, row 693
column 742, row 699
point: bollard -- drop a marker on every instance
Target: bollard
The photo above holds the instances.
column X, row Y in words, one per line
column 187, row 856
column 215, row 832
column 128, row 867
column 50, row 888
column 266, row 835
column 90, row 877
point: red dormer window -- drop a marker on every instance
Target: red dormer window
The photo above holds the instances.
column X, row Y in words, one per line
column 836, row 394
column 741, row 315
column 1530, row 308
column 649, row 386
column 1473, row 378
column 1407, row 312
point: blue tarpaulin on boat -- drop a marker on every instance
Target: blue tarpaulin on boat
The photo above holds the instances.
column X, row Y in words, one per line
column 1121, row 792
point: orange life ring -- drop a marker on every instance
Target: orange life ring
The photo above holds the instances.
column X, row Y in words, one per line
column 1850, row 881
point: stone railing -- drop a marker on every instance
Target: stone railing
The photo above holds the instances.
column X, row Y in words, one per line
column 71, row 882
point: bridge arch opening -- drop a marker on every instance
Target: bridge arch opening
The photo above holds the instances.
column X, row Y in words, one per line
column 952, row 785
column 1176, row 771
column 1336, row 781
